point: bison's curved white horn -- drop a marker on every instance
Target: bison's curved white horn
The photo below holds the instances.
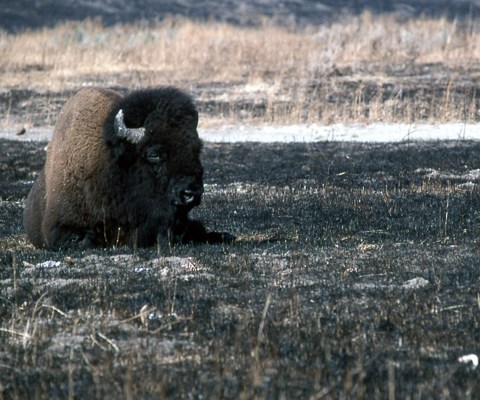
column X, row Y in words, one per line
column 133, row 135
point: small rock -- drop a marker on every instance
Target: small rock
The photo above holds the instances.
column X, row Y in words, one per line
column 471, row 359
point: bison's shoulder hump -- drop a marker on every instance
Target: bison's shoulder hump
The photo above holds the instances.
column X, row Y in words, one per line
column 88, row 102
column 96, row 96
column 84, row 114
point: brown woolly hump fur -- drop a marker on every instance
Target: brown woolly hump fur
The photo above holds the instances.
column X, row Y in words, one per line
column 103, row 187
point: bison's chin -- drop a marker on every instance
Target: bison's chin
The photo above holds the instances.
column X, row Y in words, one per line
column 184, row 208
column 186, row 200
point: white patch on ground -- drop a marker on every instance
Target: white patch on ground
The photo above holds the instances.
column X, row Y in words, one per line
column 31, row 134
column 48, row 264
column 233, row 188
column 181, row 268
column 377, row 132
column 412, row 284
column 283, row 270
column 472, row 175
column 471, row 359
column 161, row 268
column 30, row 268
column 280, row 270
column 64, row 340
column 165, row 348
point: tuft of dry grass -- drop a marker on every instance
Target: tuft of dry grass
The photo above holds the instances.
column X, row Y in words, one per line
column 363, row 68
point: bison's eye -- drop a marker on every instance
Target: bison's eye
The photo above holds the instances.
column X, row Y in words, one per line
column 155, row 155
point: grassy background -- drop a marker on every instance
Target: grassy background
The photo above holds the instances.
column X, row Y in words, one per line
column 360, row 69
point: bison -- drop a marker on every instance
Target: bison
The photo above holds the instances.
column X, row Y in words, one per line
column 120, row 171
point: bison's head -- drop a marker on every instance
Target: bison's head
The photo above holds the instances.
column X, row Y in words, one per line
column 155, row 137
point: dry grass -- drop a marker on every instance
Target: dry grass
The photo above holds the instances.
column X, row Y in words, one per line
column 364, row 68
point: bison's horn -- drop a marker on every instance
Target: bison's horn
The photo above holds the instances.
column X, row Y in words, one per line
column 133, row 135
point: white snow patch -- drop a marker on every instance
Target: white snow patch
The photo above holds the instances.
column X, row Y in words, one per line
column 376, row 132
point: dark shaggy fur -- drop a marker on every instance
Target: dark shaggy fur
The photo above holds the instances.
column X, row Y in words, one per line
column 99, row 189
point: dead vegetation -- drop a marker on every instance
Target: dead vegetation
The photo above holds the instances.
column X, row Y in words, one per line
column 355, row 276
column 363, row 68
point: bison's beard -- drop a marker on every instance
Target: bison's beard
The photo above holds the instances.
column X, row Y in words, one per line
column 179, row 225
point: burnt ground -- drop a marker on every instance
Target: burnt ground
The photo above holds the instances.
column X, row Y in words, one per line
column 355, row 275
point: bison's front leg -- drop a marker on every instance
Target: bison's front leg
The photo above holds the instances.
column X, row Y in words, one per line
column 220, row 237
column 196, row 233
column 191, row 231
column 63, row 237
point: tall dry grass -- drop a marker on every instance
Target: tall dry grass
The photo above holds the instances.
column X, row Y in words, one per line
column 353, row 69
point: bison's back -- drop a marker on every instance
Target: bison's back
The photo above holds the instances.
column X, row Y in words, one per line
column 77, row 145
column 75, row 154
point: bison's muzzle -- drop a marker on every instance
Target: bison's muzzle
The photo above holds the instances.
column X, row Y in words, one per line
column 187, row 195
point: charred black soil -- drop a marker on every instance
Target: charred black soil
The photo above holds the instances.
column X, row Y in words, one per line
column 355, row 275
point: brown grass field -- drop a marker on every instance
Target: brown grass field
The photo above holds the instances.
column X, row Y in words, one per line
column 360, row 69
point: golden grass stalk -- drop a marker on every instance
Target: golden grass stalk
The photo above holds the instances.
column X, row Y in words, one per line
column 343, row 71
